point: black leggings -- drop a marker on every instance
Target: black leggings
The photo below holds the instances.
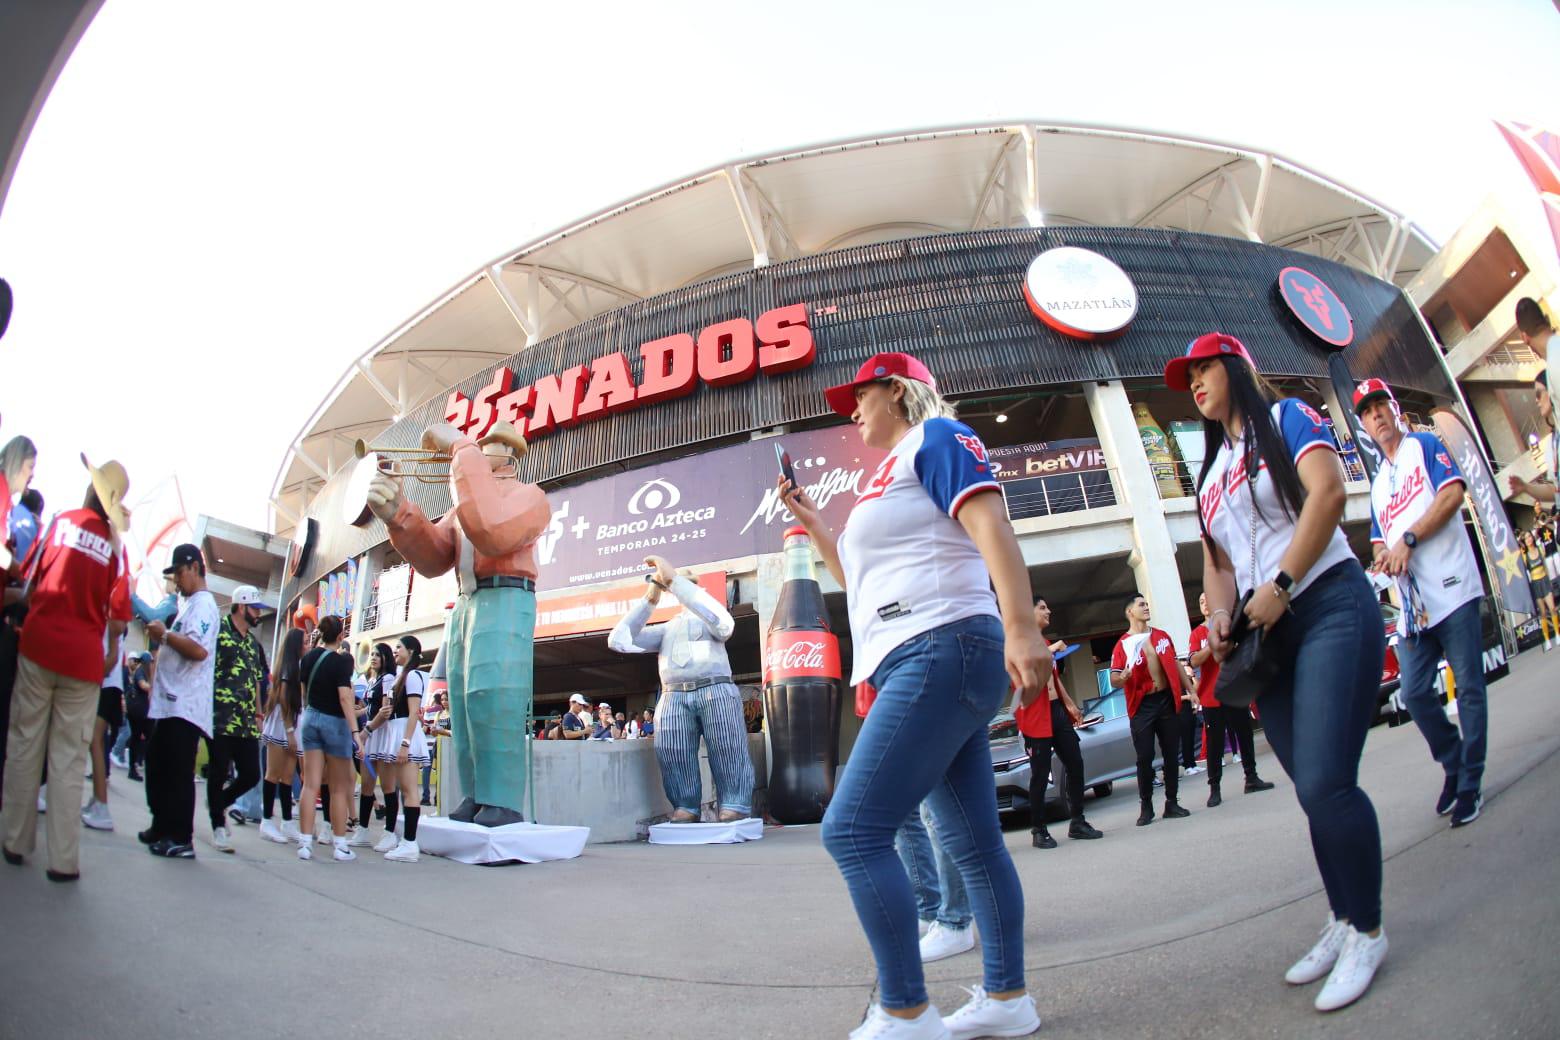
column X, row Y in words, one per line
column 1219, row 720
column 243, row 755
column 1063, row 741
column 1156, row 717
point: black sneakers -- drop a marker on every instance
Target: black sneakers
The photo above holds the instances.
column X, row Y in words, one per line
column 1146, row 817
column 1469, row 805
column 1042, row 839
column 170, row 849
column 1256, row 784
column 1174, row 811
column 1214, row 797
column 1448, row 798
column 1080, row 828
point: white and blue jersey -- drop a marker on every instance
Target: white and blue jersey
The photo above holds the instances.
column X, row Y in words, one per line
column 1225, row 500
column 1442, row 566
column 909, row 564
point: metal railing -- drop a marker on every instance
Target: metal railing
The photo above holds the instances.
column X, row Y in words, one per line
column 1183, row 475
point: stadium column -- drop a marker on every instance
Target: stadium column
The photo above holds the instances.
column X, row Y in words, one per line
column 1153, row 557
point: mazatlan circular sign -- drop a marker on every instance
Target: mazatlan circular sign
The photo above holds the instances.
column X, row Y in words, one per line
column 1316, row 306
column 1080, row 293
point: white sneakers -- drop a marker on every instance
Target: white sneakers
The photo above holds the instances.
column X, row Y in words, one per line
column 306, row 847
column 1321, row 958
column 290, row 830
column 221, row 840
column 406, row 852
column 270, row 832
column 1348, row 958
column 941, row 941
column 360, row 836
column 96, row 816
column 880, row 1025
column 122, row 759
column 344, row 853
column 983, row 1016
column 1355, row 969
column 387, row 843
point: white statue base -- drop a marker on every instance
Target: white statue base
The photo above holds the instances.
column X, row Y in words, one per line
column 515, row 842
column 750, row 829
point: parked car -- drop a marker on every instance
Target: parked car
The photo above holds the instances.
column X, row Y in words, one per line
column 1105, row 738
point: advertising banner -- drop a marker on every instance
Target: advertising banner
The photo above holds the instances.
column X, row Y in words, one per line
column 1500, row 541
column 720, row 505
column 1046, row 458
column 599, row 610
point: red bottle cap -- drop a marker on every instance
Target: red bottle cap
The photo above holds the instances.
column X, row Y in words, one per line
column 792, row 532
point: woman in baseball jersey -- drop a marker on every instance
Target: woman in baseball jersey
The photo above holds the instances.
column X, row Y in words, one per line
column 399, row 749
column 1271, row 497
column 924, row 546
column 279, row 733
column 381, row 677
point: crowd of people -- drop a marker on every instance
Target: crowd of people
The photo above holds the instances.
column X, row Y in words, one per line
column 913, row 824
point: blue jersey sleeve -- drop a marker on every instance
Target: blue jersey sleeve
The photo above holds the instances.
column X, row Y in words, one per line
column 1302, row 428
column 951, row 464
column 1440, row 467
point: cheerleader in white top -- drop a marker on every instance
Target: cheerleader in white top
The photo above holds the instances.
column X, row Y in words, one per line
column 1271, row 496
column 381, row 678
column 399, row 750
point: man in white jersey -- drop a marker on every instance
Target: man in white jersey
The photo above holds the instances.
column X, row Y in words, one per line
column 1415, row 499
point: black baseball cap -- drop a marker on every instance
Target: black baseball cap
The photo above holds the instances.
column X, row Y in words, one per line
column 184, row 555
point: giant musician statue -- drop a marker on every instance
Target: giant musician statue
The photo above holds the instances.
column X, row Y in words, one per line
column 488, row 536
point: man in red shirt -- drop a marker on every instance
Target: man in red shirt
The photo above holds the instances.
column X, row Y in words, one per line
column 1217, row 719
column 1046, row 724
column 77, row 587
column 1144, row 666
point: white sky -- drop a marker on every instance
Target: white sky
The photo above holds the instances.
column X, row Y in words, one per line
column 224, row 203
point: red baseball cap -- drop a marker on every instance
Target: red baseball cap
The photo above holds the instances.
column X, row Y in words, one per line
column 1208, row 345
column 1369, row 390
column 842, row 398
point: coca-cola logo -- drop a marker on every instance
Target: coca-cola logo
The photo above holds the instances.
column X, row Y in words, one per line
column 807, row 654
column 801, row 654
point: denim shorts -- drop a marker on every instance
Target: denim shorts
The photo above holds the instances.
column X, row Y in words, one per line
column 327, row 733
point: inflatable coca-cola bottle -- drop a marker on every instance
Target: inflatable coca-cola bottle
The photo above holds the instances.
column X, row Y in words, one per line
column 802, row 692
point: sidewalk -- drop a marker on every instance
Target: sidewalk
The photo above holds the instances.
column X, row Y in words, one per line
column 1179, row 929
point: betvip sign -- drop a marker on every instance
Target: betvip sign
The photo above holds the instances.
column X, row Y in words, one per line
column 721, row 505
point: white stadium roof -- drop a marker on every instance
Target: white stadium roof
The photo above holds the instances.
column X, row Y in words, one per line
column 770, row 208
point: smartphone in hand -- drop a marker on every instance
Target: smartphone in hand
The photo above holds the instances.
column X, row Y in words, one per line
column 787, row 471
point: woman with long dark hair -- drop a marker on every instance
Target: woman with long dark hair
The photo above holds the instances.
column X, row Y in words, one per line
column 401, row 752
column 381, row 676
column 279, row 733
column 1271, row 497
column 924, row 548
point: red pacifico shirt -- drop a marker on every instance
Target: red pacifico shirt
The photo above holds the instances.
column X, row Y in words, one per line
column 82, row 583
column 1139, row 683
column 1035, row 720
column 1208, row 674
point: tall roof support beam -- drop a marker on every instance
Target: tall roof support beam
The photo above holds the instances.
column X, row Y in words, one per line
column 747, row 212
column 1033, row 215
column 527, row 322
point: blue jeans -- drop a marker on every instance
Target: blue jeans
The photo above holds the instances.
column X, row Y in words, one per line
column 1458, row 638
column 939, row 891
column 926, row 739
column 328, row 733
column 1316, row 715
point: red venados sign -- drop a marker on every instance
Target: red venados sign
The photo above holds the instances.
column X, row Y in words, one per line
column 727, row 352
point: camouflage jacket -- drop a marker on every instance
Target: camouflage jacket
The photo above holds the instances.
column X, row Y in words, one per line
column 240, row 668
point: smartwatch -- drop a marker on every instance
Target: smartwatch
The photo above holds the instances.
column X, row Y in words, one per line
column 1411, row 539
column 1283, row 582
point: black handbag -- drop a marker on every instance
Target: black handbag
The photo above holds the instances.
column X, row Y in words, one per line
column 1251, row 666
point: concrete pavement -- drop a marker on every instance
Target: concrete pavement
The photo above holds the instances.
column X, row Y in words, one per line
column 1180, row 929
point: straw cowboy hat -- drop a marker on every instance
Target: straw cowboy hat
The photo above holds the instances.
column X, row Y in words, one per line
column 111, row 483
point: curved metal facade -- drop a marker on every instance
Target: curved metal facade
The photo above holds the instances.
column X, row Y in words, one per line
column 956, row 302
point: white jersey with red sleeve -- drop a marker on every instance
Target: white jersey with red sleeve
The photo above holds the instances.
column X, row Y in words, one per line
column 909, row 564
column 1225, row 500
column 1444, row 573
